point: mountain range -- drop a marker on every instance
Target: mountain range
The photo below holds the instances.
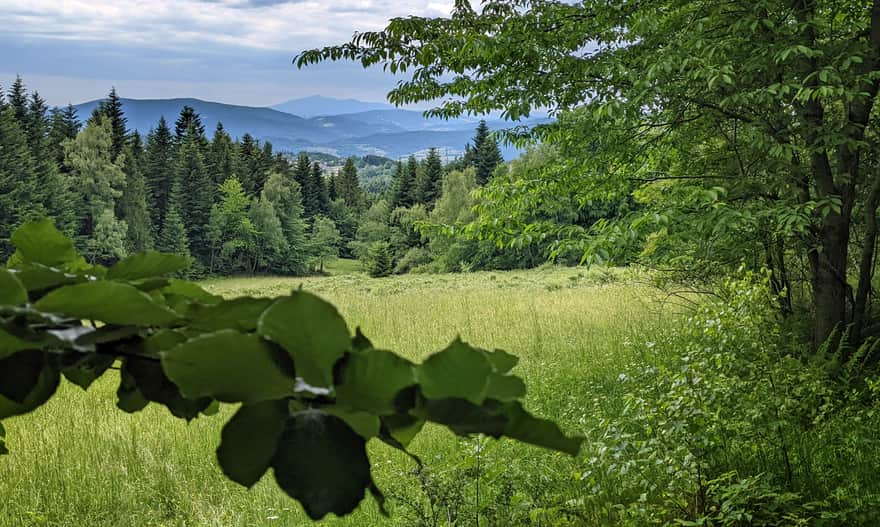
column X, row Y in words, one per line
column 333, row 126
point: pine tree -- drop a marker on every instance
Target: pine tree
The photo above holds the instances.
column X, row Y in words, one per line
column 472, row 150
column 159, row 172
column 430, row 181
column 198, row 193
column 187, row 119
column 378, row 260
column 112, row 109
column 17, row 179
column 219, row 162
column 132, row 207
column 51, row 191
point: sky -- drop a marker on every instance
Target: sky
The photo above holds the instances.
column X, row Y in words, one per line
column 231, row 51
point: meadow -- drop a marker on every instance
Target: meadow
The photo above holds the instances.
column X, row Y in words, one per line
column 78, row 461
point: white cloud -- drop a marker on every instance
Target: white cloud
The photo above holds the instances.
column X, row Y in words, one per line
column 163, row 24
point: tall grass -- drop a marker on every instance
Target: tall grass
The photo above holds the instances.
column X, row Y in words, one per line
column 78, row 461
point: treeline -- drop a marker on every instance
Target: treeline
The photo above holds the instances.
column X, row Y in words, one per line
column 232, row 205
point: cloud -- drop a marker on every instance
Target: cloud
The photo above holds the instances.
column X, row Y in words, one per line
column 257, row 24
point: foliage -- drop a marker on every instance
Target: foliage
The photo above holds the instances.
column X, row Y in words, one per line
column 310, row 392
column 378, row 260
column 323, row 241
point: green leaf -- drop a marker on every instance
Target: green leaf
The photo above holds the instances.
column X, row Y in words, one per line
column 322, row 463
column 465, row 418
column 402, row 428
column 502, row 361
column 540, row 432
column 108, row 302
column 505, row 387
column 228, row 366
column 249, row 440
column 40, row 242
column 240, row 313
column 371, row 380
column 459, row 371
column 12, row 291
column 364, row 423
column 130, row 398
column 147, row 264
column 40, row 389
column 19, row 373
column 312, row 331
column 37, row 277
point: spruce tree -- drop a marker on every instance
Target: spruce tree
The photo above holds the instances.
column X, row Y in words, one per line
column 133, row 208
column 172, row 235
column 219, row 162
column 64, row 124
column 320, row 198
column 249, row 164
column 302, row 174
column 17, row 179
column 198, row 193
column 159, row 171
column 488, row 158
column 187, row 119
column 430, row 181
column 472, row 150
column 18, row 100
column 348, row 186
column 51, row 191
column 112, row 109
column 404, row 185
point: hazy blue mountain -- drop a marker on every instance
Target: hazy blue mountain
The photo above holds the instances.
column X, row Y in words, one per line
column 317, row 105
column 393, row 133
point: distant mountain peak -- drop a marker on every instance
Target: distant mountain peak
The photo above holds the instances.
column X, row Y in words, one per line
column 318, row 105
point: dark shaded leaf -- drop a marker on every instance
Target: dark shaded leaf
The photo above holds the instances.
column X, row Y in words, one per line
column 322, row 463
column 465, row 418
column 108, row 302
column 19, row 374
column 249, row 440
column 87, row 368
column 364, row 423
column 228, row 366
column 153, row 385
column 536, row 431
column 360, row 342
column 129, row 396
column 147, row 264
column 10, row 344
column 505, row 387
column 312, row 331
column 41, row 390
column 502, row 361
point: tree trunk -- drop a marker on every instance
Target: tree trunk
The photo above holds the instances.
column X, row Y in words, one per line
column 830, row 289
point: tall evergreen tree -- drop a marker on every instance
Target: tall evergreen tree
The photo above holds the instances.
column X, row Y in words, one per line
column 320, row 198
column 132, row 207
column 403, row 190
column 172, row 235
column 430, row 181
column 301, row 172
column 488, row 158
column 187, row 119
column 159, row 171
column 219, row 162
column 112, row 108
column 18, row 100
column 249, row 164
column 472, row 150
column 348, row 187
column 198, row 193
column 52, row 191
column 17, row 179
column 64, row 124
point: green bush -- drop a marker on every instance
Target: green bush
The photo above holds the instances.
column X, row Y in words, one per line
column 378, row 261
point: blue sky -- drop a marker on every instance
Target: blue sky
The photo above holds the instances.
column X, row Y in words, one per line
column 233, row 51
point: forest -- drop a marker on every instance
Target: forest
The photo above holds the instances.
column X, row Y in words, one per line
column 663, row 312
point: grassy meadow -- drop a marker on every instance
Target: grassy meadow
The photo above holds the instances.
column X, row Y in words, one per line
column 78, row 461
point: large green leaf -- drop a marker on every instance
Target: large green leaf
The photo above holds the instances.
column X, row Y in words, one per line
column 228, row 366
column 239, row 313
column 249, row 440
column 40, row 242
column 144, row 378
column 401, row 428
column 109, row 302
column 370, row 380
column 312, row 331
column 12, row 291
column 505, row 387
column 502, row 361
column 19, row 373
column 147, row 265
column 130, row 398
column 322, row 463
column 40, row 390
column 524, row 427
column 364, row 423
column 465, row 418
column 86, row 368
column 38, row 277
column 459, row 371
